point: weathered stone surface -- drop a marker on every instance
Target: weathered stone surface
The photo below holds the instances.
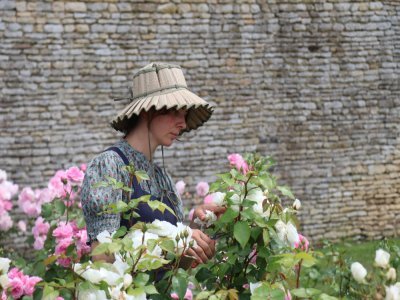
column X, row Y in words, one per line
column 312, row 83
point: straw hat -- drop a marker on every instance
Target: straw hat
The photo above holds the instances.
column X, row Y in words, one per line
column 163, row 86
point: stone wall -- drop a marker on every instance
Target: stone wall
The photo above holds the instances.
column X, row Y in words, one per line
column 315, row 84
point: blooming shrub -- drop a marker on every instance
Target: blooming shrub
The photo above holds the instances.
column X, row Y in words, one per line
column 260, row 253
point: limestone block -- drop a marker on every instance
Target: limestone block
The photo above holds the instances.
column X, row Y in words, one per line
column 75, row 7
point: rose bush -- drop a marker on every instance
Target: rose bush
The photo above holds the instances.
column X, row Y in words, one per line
column 260, row 253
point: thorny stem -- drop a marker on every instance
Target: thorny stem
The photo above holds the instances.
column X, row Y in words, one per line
column 298, row 274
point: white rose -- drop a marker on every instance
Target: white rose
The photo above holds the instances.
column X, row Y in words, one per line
column 94, row 276
column 358, row 272
column 256, row 196
column 281, row 230
column 104, row 237
column 127, row 280
column 4, row 264
column 92, row 294
column 391, row 274
column 392, row 293
column 4, row 281
column 218, row 198
column 141, row 296
column 382, row 258
column 296, row 204
column 292, row 235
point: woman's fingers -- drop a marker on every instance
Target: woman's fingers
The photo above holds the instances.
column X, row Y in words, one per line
column 200, row 211
column 205, row 246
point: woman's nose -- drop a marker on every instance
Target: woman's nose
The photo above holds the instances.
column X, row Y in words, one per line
column 181, row 121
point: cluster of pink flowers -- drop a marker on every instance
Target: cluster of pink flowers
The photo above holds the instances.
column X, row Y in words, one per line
column 30, row 201
column 238, row 161
column 40, row 233
column 20, row 284
column 202, row 188
column 7, row 191
column 66, row 234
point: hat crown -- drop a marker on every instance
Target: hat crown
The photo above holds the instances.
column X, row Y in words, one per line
column 157, row 77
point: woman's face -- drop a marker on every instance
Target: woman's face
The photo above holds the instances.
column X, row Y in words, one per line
column 166, row 126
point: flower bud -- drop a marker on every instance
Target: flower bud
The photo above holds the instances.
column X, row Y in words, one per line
column 191, row 243
column 177, row 238
column 186, row 233
column 358, row 272
column 391, row 274
column 382, row 258
column 296, row 204
column 266, row 192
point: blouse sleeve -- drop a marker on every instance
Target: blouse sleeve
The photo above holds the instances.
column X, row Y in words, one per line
column 94, row 199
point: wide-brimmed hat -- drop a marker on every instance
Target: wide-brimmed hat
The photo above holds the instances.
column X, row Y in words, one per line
column 163, row 86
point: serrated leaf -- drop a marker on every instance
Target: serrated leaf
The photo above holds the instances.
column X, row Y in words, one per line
column 227, row 178
column 100, row 249
column 59, row 207
column 120, row 232
column 179, row 286
column 141, row 175
column 228, row 216
column 50, row 260
column 141, row 279
column 241, row 232
column 150, row 290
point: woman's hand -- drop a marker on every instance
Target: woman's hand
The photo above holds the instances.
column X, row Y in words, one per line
column 200, row 212
column 205, row 248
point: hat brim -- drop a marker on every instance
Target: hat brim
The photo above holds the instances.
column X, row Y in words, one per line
column 199, row 111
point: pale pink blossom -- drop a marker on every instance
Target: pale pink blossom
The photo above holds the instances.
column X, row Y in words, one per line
column 83, row 167
column 59, row 298
column 46, row 195
column 5, row 222
column 202, row 188
column 5, row 206
column 57, row 183
column 28, row 202
column 40, row 228
column 238, row 161
column 8, row 190
column 180, row 187
column 75, row 176
column 38, row 244
column 64, row 230
column 302, row 243
column 22, row 225
column 21, row 284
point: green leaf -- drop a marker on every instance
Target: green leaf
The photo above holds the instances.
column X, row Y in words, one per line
column 307, row 258
column 179, row 286
column 286, row 191
column 150, row 290
column 120, row 232
column 305, row 292
column 228, row 216
column 49, row 293
column 141, row 279
column 241, row 232
column 47, row 210
column 327, row 297
column 167, row 245
column 59, row 207
column 155, row 204
column 227, row 178
column 141, row 175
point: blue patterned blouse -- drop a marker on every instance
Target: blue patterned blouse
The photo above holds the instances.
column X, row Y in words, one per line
column 109, row 163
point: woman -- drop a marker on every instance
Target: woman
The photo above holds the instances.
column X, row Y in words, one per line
column 161, row 109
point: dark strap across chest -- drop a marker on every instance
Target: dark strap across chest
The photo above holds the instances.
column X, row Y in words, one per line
column 146, row 214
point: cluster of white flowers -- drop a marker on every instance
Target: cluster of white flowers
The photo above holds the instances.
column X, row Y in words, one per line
column 4, row 266
column 382, row 259
column 118, row 275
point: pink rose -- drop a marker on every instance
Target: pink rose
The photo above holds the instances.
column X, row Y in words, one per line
column 62, row 245
column 22, row 226
column 5, row 222
column 56, row 183
column 17, row 287
column 46, row 195
column 59, row 298
column 238, row 161
column 39, row 242
column 9, row 189
column 83, row 167
column 202, row 188
column 253, row 256
column 5, row 206
column 41, row 227
column 180, row 187
column 64, row 230
column 28, row 202
column 65, row 262
column 75, row 175
column 30, row 284
column 302, row 243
